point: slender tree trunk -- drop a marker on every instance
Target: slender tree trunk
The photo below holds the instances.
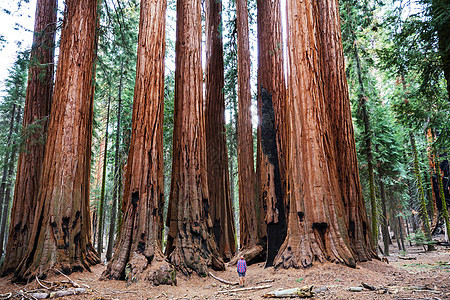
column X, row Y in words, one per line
column 216, row 142
column 102, row 193
column 10, row 165
column 61, row 237
column 250, row 242
column 316, row 230
column 400, row 230
column 139, row 244
column 37, row 109
column 6, row 160
column 423, row 205
column 441, row 193
column 117, row 175
column 271, row 131
column 338, row 107
column 384, row 218
column 191, row 246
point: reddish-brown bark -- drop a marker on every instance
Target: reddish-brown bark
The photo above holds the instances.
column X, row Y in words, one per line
column 139, row 244
column 271, row 128
column 190, row 244
column 316, row 230
column 216, row 144
column 339, row 113
column 61, row 235
column 249, row 234
column 36, row 111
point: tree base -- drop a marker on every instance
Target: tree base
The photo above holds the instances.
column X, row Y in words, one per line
column 157, row 271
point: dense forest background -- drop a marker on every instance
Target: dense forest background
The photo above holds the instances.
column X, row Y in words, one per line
column 398, row 70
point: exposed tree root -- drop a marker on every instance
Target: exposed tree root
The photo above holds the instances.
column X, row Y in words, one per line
column 252, row 255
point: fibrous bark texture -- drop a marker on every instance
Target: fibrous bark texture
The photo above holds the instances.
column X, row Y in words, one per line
column 139, row 244
column 316, row 229
column 61, row 235
column 216, row 144
column 191, row 246
column 271, row 131
column 249, row 235
column 36, row 111
column 339, row 113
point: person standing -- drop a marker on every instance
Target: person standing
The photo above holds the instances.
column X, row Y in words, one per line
column 241, row 269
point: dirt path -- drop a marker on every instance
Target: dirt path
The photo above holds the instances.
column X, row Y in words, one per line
column 427, row 277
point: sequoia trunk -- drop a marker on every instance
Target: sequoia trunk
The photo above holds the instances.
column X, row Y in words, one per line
column 271, row 131
column 216, row 143
column 316, row 230
column 61, row 235
column 191, row 246
column 250, row 242
column 139, row 244
column 36, row 111
column 339, row 113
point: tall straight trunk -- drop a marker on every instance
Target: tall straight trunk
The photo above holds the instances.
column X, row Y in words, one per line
column 384, row 217
column 10, row 165
column 250, row 242
column 316, row 230
column 101, row 209
column 115, row 210
column 444, row 210
column 364, row 114
column 423, row 205
column 61, row 237
column 191, row 246
column 271, row 131
column 338, row 107
column 139, row 244
column 400, row 231
column 216, row 142
column 36, row 111
column 7, row 159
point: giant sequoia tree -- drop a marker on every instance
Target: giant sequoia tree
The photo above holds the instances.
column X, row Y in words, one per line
column 190, row 243
column 339, row 114
column 139, row 245
column 250, row 242
column 316, row 228
column 36, row 111
column 61, row 234
column 271, row 129
column 216, row 144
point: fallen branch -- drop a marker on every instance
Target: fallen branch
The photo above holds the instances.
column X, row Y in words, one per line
column 121, row 292
column 246, row 289
column 5, row 296
column 407, row 257
column 223, row 280
column 303, row 292
column 41, row 284
column 76, row 285
column 265, row 281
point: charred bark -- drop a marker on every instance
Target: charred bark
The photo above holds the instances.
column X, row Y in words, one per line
column 316, row 230
column 216, row 144
column 36, row 111
column 61, row 235
column 339, row 112
column 190, row 243
column 271, row 131
column 139, row 244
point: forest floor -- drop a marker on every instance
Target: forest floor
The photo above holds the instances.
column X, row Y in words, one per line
column 425, row 277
